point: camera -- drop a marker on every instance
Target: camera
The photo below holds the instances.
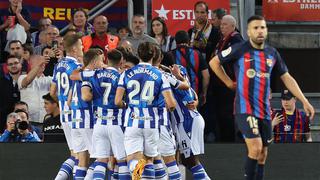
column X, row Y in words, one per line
column 22, row 125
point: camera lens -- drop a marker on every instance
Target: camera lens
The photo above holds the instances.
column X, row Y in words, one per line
column 22, row 125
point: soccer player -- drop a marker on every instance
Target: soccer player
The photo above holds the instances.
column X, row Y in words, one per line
column 61, row 84
column 143, row 85
column 253, row 62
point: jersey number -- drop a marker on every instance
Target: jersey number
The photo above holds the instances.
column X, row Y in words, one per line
column 63, row 82
column 106, row 93
column 146, row 93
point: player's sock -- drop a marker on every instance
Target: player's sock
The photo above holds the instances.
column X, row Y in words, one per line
column 132, row 165
column 173, row 170
column 75, row 167
column 250, row 168
column 99, row 172
column 124, row 173
column 80, row 173
column 260, row 172
column 66, row 169
column 148, row 172
column 115, row 174
column 89, row 175
column 160, row 172
column 109, row 174
column 198, row 172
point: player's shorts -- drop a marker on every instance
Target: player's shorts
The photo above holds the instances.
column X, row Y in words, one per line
column 252, row 127
column 82, row 140
column 191, row 142
column 66, row 126
column 108, row 141
column 144, row 140
column 166, row 145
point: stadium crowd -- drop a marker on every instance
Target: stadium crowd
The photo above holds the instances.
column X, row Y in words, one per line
column 30, row 111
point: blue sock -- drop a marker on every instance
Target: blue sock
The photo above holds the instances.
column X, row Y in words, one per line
column 148, row 172
column 110, row 174
column 124, row 173
column 260, row 172
column 173, row 170
column 80, row 173
column 99, row 172
column 90, row 171
column 198, row 172
column 115, row 171
column 160, row 172
column 66, row 169
column 75, row 167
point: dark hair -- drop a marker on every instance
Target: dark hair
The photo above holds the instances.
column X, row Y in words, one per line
column 90, row 56
column 21, row 103
column 124, row 52
column 157, row 53
column 182, row 37
column 114, row 56
column 28, row 47
column 146, row 51
column 255, row 17
column 137, row 15
column 133, row 59
column 20, row 110
column 220, row 12
column 164, row 32
column 49, row 98
column 46, row 47
column 126, row 28
column 14, row 41
column 201, row 2
column 11, row 57
column 81, row 10
column 96, row 47
column 70, row 40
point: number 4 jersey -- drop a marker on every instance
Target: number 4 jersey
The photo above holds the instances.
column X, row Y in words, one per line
column 61, row 74
column 143, row 86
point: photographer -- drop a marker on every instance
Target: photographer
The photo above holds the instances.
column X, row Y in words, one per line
column 17, row 130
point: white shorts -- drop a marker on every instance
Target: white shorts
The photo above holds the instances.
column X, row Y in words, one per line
column 82, row 140
column 192, row 142
column 143, row 140
column 166, row 145
column 108, row 141
column 66, row 126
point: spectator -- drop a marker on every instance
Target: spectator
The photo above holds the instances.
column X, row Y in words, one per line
column 290, row 125
column 14, row 14
column 126, row 44
column 79, row 22
column 159, row 31
column 49, row 55
column 24, row 116
column 138, row 35
column 124, row 32
column 100, row 38
column 51, row 34
column 221, row 98
column 27, row 53
column 216, row 16
column 195, row 64
column 9, row 89
column 32, row 87
column 44, row 23
column 52, row 130
column 17, row 130
column 203, row 36
column 16, row 49
column 22, row 106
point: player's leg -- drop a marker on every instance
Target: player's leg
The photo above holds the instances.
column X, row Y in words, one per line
column 160, row 172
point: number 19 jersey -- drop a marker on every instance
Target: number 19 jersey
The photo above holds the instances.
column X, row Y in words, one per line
column 143, row 86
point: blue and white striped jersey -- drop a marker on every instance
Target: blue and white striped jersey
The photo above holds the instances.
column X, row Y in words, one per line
column 143, row 86
column 103, row 83
column 61, row 74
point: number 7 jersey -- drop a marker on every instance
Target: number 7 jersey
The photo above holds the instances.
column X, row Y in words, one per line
column 61, row 74
column 143, row 86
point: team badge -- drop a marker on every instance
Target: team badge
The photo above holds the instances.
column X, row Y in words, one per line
column 287, row 128
column 251, row 73
column 269, row 62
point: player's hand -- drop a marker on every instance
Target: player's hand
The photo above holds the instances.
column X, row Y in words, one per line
column 176, row 71
column 308, row 108
column 231, row 85
column 278, row 118
column 192, row 106
column 19, row 7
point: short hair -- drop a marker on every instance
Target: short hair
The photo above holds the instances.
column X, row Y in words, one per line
column 138, row 15
column 11, row 57
column 182, row 37
column 70, row 41
column 49, row 98
column 14, row 41
column 133, row 59
column 94, row 19
column 255, row 17
column 114, row 56
column 44, row 48
column 13, row 115
column 157, row 53
column 90, row 56
column 20, row 110
column 54, row 27
column 21, row 103
column 146, row 51
column 220, row 12
column 28, row 47
column 124, row 52
column 201, row 2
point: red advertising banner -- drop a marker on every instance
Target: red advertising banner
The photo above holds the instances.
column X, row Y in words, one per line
column 291, row 10
column 179, row 14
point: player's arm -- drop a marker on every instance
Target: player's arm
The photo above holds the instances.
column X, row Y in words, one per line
column 69, row 98
column 183, row 83
column 86, row 92
column 119, row 96
column 169, row 99
column 205, row 82
column 53, row 91
column 76, row 75
column 217, row 68
column 294, row 88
